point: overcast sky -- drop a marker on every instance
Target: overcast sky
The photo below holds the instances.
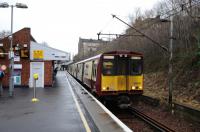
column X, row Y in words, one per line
column 60, row 23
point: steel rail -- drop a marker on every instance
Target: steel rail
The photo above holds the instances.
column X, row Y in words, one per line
column 150, row 121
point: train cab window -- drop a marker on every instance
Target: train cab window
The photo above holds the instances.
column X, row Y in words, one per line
column 122, row 65
column 109, row 65
column 135, row 66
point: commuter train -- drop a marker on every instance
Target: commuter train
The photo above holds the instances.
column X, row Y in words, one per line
column 115, row 75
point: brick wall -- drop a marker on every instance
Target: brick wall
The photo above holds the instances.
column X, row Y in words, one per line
column 20, row 37
column 48, row 73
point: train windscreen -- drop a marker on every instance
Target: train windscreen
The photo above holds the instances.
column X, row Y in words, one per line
column 121, row 65
column 135, row 66
column 109, row 67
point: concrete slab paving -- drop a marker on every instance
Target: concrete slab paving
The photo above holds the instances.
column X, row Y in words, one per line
column 55, row 112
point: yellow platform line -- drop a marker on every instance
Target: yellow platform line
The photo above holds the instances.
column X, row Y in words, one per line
column 87, row 128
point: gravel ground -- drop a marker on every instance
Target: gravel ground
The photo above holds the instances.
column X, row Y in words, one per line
column 133, row 122
column 163, row 115
column 160, row 113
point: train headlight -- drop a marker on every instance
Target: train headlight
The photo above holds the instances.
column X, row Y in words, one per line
column 105, row 88
column 133, row 87
column 140, row 87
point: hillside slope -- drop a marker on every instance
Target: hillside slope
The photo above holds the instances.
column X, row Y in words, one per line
column 186, row 83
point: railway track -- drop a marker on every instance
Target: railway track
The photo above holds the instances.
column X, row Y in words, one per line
column 150, row 121
column 138, row 121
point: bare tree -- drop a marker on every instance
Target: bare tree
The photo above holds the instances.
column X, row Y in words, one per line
column 4, row 33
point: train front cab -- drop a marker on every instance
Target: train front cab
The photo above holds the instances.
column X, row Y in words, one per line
column 122, row 74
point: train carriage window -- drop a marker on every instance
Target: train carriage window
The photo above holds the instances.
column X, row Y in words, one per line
column 135, row 65
column 109, row 65
column 94, row 71
column 86, row 69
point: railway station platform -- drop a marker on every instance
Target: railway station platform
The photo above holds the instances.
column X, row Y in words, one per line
column 60, row 109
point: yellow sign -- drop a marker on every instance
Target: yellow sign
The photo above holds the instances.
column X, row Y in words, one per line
column 38, row 54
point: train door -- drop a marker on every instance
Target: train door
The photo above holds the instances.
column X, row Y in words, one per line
column 76, row 70
column 122, row 72
column 93, row 77
column 94, row 73
column 108, row 77
column 115, row 69
column 135, row 77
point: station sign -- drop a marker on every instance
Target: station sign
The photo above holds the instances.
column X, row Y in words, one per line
column 17, row 66
column 38, row 54
column 16, row 58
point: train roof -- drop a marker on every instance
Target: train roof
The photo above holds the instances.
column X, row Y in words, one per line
column 123, row 52
column 111, row 52
column 91, row 58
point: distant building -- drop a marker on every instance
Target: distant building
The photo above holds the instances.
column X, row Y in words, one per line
column 86, row 46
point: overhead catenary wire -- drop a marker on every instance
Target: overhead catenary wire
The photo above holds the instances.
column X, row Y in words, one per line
column 106, row 25
column 111, row 34
column 155, row 42
column 146, row 36
column 170, row 12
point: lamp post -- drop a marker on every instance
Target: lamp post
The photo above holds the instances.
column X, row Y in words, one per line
column 11, row 53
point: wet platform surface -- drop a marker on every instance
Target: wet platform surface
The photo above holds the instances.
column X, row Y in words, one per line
column 103, row 118
column 55, row 112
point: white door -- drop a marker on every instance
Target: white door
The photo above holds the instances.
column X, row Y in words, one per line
column 37, row 67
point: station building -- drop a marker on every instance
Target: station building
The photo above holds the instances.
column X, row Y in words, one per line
column 30, row 57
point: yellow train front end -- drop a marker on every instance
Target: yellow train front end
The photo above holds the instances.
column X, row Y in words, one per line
column 122, row 84
column 122, row 76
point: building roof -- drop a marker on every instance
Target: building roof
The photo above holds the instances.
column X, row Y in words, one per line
column 32, row 38
column 49, row 53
